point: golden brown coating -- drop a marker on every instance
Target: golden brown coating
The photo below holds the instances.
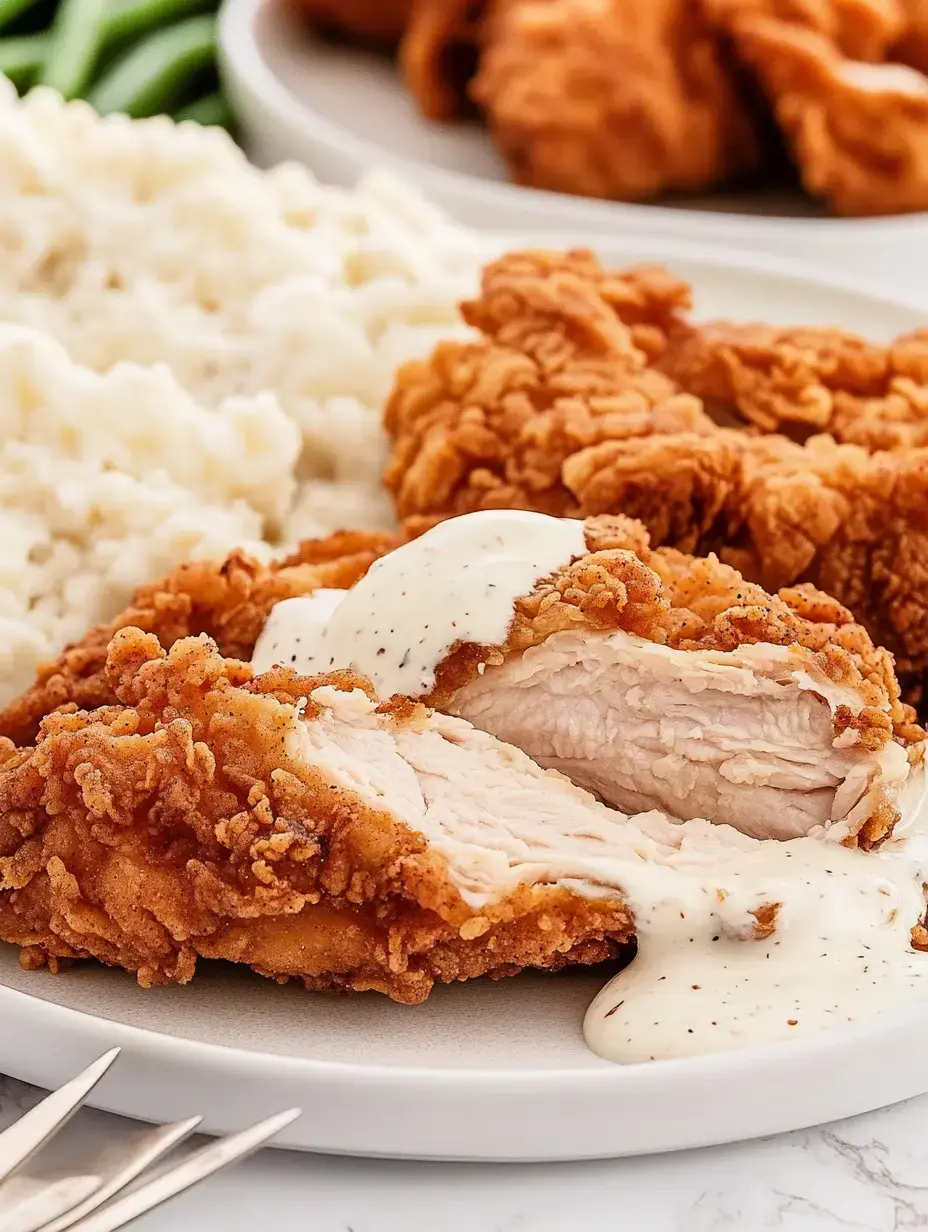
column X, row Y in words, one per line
column 380, row 20
column 858, row 132
column 438, row 54
column 228, row 601
column 801, row 381
column 181, row 822
column 612, row 98
column 488, row 424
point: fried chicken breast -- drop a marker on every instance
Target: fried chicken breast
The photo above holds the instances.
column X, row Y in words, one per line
column 612, row 98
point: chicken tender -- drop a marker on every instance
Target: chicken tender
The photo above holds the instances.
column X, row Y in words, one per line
column 613, row 98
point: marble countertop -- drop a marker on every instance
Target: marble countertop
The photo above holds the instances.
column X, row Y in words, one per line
column 869, row 1174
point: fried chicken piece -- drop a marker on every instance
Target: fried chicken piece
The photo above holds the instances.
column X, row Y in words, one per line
column 612, row 98
column 858, row 132
column 801, row 381
column 775, row 715
column 439, row 52
column 295, row 826
column 561, row 366
column 382, row 21
column 229, row 601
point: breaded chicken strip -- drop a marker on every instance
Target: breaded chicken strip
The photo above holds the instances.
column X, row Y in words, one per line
column 229, row 601
column 381, row 20
column 612, row 98
column 852, row 523
column 802, row 380
column 858, row 132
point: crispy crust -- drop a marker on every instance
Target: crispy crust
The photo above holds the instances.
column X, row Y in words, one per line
column 176, row 824
column 802, row 381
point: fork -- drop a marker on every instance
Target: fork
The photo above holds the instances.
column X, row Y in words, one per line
column 107, row 1199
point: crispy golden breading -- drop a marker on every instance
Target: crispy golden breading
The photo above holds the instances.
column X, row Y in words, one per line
column 438, row 54
column 912, row 45
column 381, row 20
column 858, row 132
column 802, row 381
column 182, row 823
column 562, row 366
column 612, row 98
column 228, row 601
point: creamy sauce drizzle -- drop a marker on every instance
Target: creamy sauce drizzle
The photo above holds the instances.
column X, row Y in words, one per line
column 458, row 583
column 701, row 982
column 841, row 950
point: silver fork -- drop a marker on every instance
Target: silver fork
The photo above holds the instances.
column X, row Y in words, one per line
column 106, row 1198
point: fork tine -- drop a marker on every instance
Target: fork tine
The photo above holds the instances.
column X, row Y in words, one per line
column 143, row 1154
column 202, row 1164
column 41, row 1123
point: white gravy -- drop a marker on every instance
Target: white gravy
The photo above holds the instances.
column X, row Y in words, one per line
column 458, row 583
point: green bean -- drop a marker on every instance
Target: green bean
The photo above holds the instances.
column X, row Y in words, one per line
column 211, row 110
column 11, row 9
column 130, row 19
column 22, row 58
column 143, row 81
column 76, row 36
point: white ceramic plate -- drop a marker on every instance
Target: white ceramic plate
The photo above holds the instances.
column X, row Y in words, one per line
column 482, row 1071
column 342, row 111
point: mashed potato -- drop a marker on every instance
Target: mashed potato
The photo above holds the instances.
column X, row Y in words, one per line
column 278, row 311
column 108, row 480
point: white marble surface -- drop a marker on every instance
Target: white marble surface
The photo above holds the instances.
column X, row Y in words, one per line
column 864, row 1175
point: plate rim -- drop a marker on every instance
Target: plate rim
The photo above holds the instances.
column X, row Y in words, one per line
column 244, row 68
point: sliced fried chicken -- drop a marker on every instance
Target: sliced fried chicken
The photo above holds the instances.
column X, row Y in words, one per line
column 655, row 679
column 295, row 826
